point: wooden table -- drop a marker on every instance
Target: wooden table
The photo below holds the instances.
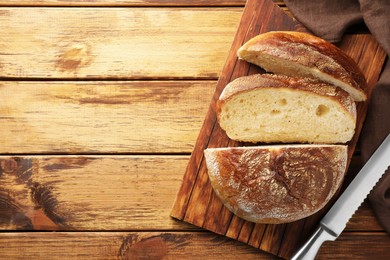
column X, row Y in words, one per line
column 100, row 106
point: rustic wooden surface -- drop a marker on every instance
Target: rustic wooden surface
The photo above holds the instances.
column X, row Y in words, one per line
column 101, row 105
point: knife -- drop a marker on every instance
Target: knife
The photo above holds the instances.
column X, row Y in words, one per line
column 334, row 222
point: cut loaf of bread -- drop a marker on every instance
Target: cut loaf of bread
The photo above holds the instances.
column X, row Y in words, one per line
column 276, row 108
column 276, row 184
column 302, row 54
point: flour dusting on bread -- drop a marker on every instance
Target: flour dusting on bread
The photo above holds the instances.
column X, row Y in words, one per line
column 276, row 184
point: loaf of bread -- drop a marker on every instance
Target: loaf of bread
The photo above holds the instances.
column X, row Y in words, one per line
column 302, row 54
column 276, row 184
column 277, row 108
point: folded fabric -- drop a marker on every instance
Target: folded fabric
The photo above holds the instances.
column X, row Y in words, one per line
column 329, row 19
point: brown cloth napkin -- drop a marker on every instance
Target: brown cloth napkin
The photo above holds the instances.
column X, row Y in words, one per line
column 329, row 19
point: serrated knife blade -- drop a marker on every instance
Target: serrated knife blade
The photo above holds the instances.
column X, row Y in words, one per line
column 334, row 222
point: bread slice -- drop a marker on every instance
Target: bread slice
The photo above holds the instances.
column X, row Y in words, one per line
column 276, row 108
column 302, row 54
column 276, row 184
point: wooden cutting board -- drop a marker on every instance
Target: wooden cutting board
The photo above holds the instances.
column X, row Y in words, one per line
column 196, row 203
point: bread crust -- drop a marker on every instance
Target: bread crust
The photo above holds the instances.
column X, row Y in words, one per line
column 276, row 184
column 311, row 52
column 248, row 83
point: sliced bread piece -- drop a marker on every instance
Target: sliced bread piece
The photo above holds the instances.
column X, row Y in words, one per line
column 276, row 108
column 276, row 184
column 302, row 54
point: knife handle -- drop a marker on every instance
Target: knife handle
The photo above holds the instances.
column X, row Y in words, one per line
column 309, row 250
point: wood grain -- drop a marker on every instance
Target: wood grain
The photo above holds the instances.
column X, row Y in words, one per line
column 171, row 245
column 357, row 245
column 126, row 43
column 102, row 117
column 89, row 193
column 196, row 201
column 123, row 191
column 107, row 3
column 124, row 245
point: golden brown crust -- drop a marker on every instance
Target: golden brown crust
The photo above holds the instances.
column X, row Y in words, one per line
column 248, row 83
column 309, row 51
column 276, row 184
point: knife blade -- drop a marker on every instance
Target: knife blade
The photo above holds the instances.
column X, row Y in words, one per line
column 334, row 222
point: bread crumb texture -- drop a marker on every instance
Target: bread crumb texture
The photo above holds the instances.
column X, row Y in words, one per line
column 299, row 110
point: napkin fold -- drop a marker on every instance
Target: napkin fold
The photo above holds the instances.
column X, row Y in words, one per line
column 329, row 19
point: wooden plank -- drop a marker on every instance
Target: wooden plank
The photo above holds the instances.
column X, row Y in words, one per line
column 171, row 245
column 124, row 245
column 195, row 196
column 107, row 3
column 126, row 43
column 102, row 117
column 108, row 193
column 89, row 193
column 356, row 245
